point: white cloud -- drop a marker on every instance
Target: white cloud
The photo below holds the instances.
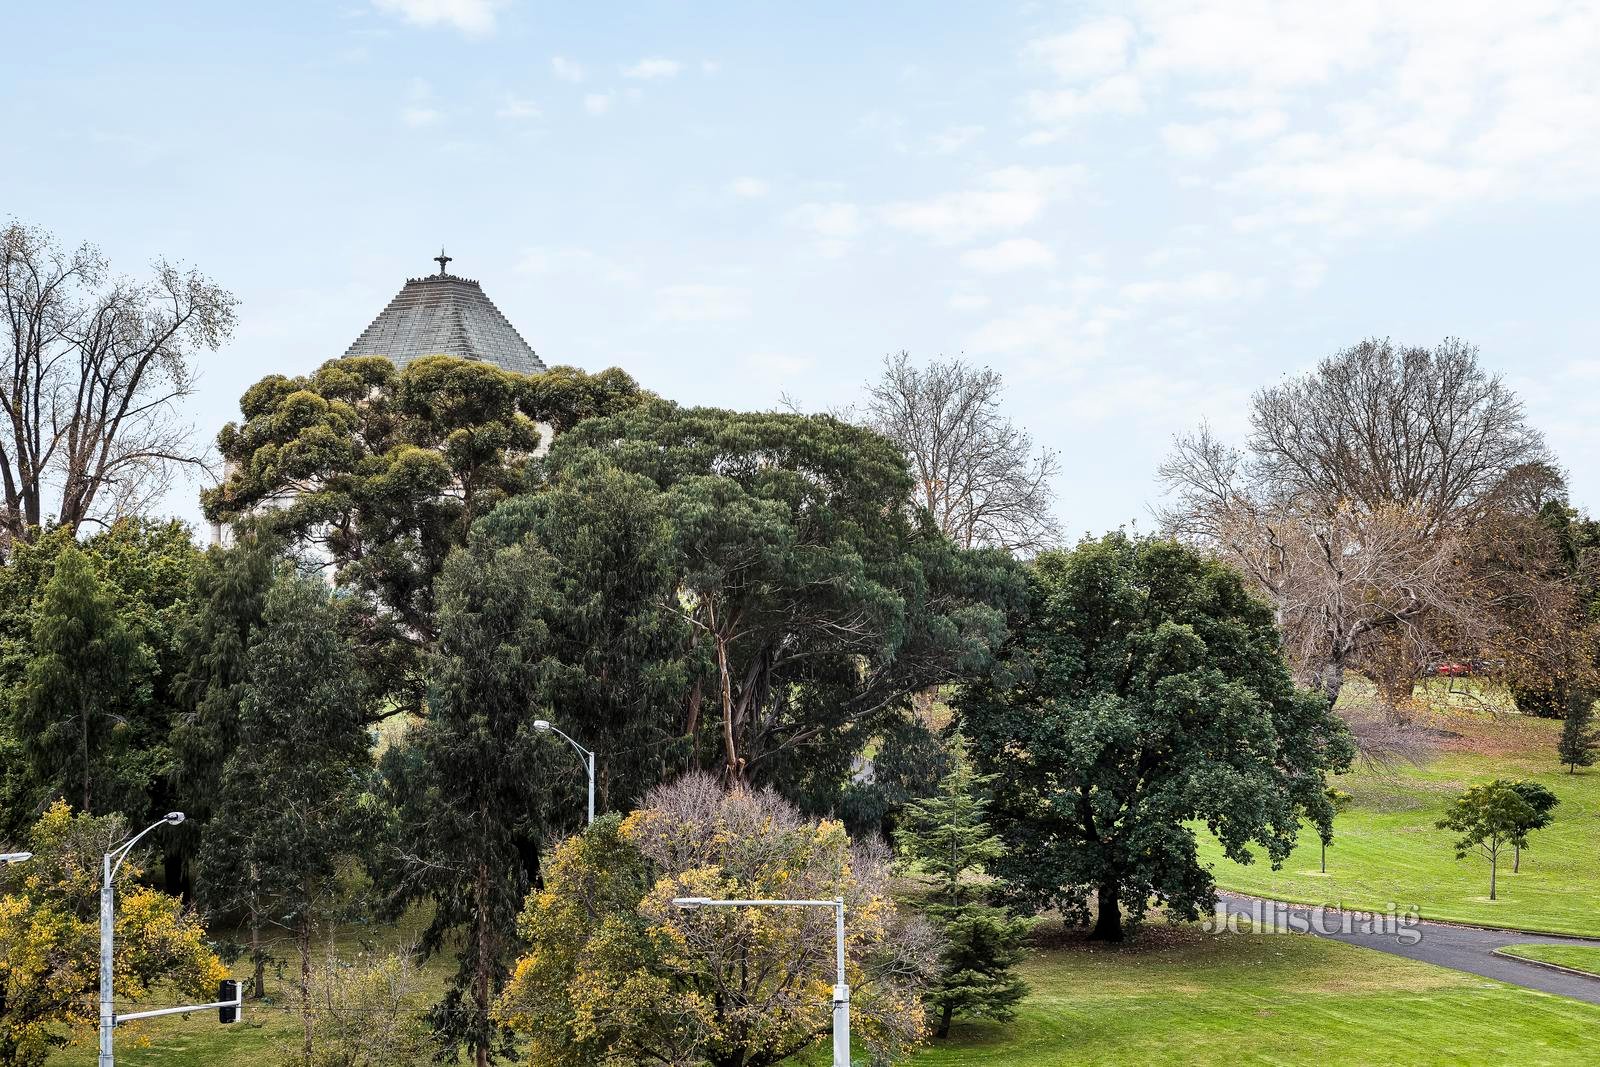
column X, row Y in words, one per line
column 475, row 18
column 1019, row 253
column 1005, row 199
column 968, row 301
column 653, row 67
column 1094, row 49
column 1206, row 286
column 748, row 188
column 566, row 70
column 833, row 225
column 419, row 116
column 954, row 139
column 1345, row 116
column 1119, row 94
column 597, row 103
column 516, row 108
column 701, row 303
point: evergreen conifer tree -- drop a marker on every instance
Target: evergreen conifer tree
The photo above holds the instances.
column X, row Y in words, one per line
column 1579, row 740
column 947, row 836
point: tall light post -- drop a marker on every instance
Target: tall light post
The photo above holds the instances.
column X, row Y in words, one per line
column 841, row 988
column 586, row 754
column 114, row 861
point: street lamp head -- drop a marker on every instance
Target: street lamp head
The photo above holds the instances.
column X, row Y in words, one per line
column 540, row 724
column 173, row 817
column 7, row 858
column 690, row 903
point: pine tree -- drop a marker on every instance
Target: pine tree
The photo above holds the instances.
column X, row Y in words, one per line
column 88, row 673
column 1579, row 741
column 289, row 803
column 948, row 838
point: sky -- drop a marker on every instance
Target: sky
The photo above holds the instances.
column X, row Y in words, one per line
column 1137, row 213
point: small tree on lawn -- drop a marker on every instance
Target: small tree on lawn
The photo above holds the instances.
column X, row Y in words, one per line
column 1489, row 818
column 1543, row 803
column 948, row 837
column 1340, row 800
column 1579, row 740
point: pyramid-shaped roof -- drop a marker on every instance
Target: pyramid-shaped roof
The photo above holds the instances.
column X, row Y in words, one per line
column 441, row 314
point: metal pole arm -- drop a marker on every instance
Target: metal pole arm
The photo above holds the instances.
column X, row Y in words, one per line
column 236, row 1002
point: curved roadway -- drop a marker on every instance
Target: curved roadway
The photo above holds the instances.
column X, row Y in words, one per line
column 1462, row 948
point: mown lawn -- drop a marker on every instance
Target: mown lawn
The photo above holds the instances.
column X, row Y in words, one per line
column 1386, row 849
column 1194, row 999
column 1578, row 957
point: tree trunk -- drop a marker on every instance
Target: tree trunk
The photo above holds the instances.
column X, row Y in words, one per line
column 1516, row 859
column 480, row 981
column 1108, row 914
column 1324, row 857
column 1494, row 868
column 1331, row 681
column 258, row 959
column 303, row 936
column 944, row 1021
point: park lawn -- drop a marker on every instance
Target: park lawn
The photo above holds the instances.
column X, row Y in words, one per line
column 1182, row 997
column 1387, row 850
column 1579, row 957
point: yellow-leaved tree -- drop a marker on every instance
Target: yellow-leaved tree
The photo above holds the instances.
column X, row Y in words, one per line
column 50, row 939
column 615, row 974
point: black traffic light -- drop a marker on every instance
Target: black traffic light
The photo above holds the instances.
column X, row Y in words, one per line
column 228, row 989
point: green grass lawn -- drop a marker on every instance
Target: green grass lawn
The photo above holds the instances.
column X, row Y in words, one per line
column 1183, row 997
column 1578, row 957
column 1386, row 849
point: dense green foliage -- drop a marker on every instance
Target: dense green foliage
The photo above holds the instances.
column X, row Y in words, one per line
column 1146, row 691
column 385, row 471
column 948, row 838
column 818, row 601
column 289, row 802
column 466, row 788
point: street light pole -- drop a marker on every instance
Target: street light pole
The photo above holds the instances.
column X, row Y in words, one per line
column 841, row 988
column 113, row 863
column 587, row 755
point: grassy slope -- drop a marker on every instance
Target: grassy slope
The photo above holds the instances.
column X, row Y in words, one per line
column 1386, row 849
column 1195, row 999
column 1578, row 957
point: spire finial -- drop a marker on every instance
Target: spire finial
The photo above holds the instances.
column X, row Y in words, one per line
column 442, row 259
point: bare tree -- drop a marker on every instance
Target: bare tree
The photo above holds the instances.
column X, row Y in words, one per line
column 978, row 473
column 1353, row 504
column 91, row 371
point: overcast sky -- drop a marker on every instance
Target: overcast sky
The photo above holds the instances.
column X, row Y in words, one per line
column 1137, row 213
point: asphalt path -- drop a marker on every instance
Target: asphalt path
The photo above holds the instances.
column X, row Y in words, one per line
column 1461, row 948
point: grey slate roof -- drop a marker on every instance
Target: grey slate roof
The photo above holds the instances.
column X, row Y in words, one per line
column 441, row 314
